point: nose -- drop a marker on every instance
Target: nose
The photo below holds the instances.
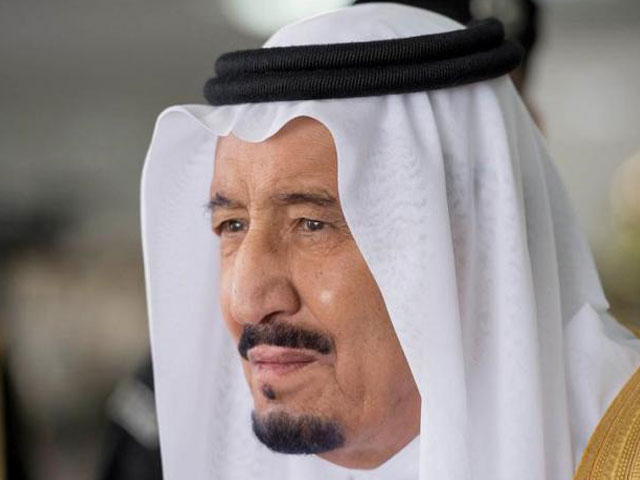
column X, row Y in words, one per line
column 260, row 285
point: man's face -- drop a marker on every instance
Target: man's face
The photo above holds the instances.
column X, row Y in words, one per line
column 325, row 368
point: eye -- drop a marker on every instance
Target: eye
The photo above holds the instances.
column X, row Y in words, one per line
column 311, row 225
column 230, row 226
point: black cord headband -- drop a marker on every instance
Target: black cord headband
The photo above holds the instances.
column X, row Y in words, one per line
column 360, row 69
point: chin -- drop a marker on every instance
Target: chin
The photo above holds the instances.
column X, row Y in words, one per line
column 294, row 433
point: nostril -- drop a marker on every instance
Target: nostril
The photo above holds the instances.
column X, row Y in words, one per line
column 270, row 318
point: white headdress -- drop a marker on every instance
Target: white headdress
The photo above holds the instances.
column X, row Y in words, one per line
column 461, row 218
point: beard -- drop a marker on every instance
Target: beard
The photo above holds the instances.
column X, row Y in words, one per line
column 305, row 434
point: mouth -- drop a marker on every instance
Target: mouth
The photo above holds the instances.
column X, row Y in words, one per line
column 269, row 362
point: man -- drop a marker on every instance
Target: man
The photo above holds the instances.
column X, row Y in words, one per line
column 389, row 265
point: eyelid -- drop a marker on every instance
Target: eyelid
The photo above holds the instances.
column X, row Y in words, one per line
column 218, row 228
column 301, row 223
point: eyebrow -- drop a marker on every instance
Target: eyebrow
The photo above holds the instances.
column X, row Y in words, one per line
column 323, row 199
column 320, row 199
column 219, row 201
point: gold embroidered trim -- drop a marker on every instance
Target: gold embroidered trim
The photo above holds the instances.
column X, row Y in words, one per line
column 613, row 451
column 635, row 329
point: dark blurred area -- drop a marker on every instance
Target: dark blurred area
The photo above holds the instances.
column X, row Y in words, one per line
column 82, row 83
column 131, row 449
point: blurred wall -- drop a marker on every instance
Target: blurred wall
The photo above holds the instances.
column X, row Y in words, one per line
column 586, row 83
column 82, row 82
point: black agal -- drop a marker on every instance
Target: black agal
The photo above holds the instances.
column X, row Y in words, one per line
column 360, row 69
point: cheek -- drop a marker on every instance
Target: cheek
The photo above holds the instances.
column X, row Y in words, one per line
column 326, row 297
column 371, row 373
column 344, row 301
column 330, row 290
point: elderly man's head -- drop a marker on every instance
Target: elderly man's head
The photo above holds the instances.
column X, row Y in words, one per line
column 320, row 354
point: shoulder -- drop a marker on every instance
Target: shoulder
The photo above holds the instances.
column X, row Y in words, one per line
column 613, row 451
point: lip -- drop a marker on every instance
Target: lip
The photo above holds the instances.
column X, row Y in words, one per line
column 272, row 362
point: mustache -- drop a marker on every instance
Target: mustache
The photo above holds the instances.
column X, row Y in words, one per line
column 282, row 335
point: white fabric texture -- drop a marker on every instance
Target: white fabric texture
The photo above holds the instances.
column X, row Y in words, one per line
column 462, row 219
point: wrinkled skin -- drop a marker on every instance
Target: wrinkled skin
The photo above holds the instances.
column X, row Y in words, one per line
column 295, row 262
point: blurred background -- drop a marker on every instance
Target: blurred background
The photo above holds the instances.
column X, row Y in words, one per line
column 80, row 86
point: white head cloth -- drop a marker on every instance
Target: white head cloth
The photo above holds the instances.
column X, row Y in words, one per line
column 462, row 219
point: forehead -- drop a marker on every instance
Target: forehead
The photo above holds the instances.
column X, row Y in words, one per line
column 301, row 151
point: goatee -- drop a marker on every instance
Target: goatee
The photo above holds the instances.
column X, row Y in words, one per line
column 305, row 434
